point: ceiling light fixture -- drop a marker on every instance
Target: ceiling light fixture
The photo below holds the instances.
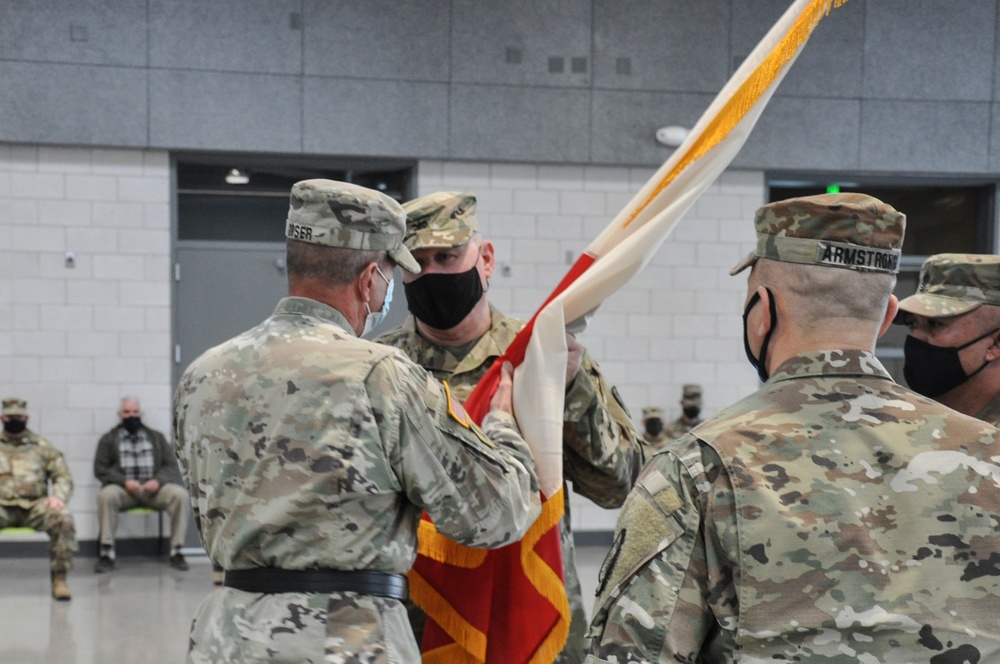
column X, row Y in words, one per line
column 672, row 136
column 236, row 176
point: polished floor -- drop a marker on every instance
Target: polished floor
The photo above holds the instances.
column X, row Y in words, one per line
column 137, row 614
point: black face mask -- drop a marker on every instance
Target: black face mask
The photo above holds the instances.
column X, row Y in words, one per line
column 933, row 370
column 442, row 301
column 760, row 364
column 132, row 424
column 691, row 412
column 654, row 427
column 15, row 426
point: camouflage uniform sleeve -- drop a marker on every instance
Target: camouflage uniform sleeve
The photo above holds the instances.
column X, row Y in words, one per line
column 666, row 590
column 180, row 445
column 58, row 473
column 479, row 488
column 602, row 449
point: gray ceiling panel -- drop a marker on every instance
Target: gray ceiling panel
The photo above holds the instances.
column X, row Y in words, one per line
column 801, row 132
column 994, row 145
column 522, row 42
column 382, row 39
column 930, row 49
column 210, row 110
column 886, row 85
column 254, row 36
column 925, row 137
column 348, row 116
column 73, row 104
column 519, row 124
column 112, row 32
column 664, row 45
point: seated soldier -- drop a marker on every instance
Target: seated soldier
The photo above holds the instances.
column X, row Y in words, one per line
column 28, row 464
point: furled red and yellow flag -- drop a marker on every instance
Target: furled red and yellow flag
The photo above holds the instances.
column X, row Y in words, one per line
column 509, row 606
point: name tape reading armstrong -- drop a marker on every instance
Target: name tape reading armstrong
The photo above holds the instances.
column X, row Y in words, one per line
column 853, row 256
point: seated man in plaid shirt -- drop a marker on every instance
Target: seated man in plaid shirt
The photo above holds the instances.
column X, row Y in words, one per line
column 137, row 468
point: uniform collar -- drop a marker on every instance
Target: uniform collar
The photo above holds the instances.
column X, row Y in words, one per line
column 830, row 362
column 304, row 306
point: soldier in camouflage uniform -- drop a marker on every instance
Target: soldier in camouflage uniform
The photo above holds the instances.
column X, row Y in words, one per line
column 28, row 464
column 652, row 427
column 954, row 321
column 310, row 454
column 690, row 412
column 831, row 516
column 456, row 334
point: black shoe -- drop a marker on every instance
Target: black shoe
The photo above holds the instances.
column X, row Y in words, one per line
column 104, row 564
column 177, row 562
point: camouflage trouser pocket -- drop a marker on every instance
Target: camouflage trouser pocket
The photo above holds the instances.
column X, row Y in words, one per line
column 368, row 630
column 238, row 627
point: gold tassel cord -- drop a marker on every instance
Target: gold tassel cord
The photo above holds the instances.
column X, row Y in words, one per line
column 748, row 94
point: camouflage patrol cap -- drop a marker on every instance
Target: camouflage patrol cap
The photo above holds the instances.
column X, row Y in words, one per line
column 954, row 284
column 649, row 412
column 691, row 395
column 440, row 220
column 854, row 231
column 13, row 406
column 340, row 214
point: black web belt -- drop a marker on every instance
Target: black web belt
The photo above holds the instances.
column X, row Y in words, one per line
column 273, row 580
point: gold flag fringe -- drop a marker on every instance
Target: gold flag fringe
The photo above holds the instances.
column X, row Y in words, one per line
column 469, row 645
column 470, row 642
column 546, row 580
column 437, row 547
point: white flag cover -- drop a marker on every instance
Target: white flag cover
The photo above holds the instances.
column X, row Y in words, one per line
column 636, row 233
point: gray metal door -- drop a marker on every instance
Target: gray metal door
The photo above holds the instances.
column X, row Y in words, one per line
column 223, row 289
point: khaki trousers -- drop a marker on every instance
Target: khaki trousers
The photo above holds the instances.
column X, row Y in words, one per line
column 171, row 498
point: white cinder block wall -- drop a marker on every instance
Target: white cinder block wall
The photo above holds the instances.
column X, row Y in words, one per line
column 679, row 320
column 74, row 340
